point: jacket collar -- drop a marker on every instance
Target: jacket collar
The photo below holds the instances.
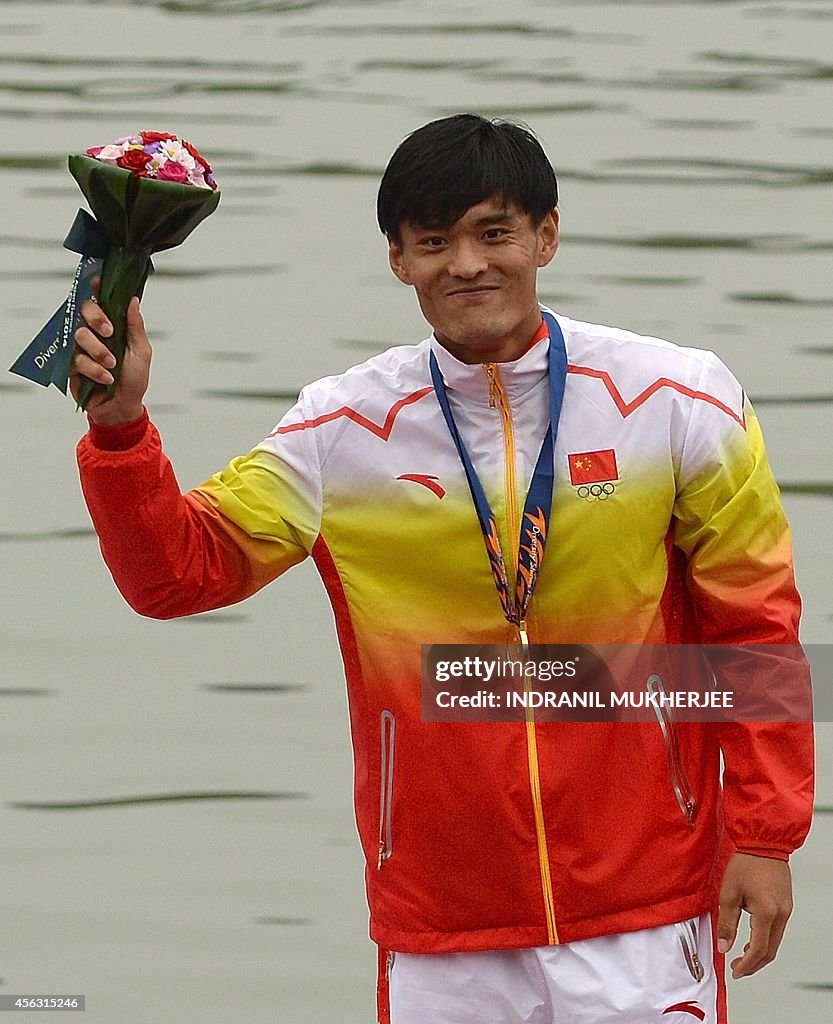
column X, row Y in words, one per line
column 518, row 377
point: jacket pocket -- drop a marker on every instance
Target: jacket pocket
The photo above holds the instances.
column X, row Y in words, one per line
column 688, row 934
column 387, row 723
column 679, row 780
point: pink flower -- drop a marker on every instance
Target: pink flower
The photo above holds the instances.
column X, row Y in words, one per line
column 173, row 171
column 94, row 151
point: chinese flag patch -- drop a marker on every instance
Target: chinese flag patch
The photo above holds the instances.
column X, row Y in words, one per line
column 592, row 467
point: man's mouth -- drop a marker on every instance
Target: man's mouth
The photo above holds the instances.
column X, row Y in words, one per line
column 476, row 290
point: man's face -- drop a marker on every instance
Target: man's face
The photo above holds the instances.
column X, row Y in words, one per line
column 476, row 281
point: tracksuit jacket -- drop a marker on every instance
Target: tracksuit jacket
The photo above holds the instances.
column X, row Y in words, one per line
column 483, row 835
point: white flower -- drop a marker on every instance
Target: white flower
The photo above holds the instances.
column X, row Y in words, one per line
column 111, row 153
column 174, row 150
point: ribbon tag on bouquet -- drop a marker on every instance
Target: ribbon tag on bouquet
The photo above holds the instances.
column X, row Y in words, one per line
column 46, row 360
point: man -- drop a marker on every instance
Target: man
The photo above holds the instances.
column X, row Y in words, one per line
column 529, row 871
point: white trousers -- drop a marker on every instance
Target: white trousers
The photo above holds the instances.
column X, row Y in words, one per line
column 643, row 977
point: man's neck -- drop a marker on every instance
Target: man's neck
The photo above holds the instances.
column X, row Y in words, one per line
column 500, row 354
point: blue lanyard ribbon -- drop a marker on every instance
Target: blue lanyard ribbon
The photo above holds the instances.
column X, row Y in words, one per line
column 538, row 506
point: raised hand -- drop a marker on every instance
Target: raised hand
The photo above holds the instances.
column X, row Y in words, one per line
column 92, row 359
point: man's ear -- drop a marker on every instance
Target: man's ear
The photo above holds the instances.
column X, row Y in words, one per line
column 548, row 234
column 396, row 258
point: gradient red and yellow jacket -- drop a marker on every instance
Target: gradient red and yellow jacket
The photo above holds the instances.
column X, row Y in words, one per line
column 493, row 835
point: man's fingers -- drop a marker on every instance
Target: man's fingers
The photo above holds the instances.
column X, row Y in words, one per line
column 766, row 930
column 95, row 318
column 89, row 344
column 85, row 366
column 755, row 951
column 779, row 926
column 727, row 922
column 136, row 334
column 762, row 887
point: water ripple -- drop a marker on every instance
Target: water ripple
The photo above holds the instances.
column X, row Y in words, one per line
column 115, row 89
column 179, row 273
column 119, row 63
column 640, row 280
column 778, row 298
column 31, row 162
column 70, row 533
column 157, row 798
column 739, row 172
column 252, row 396
column 209, row 7
column 301, row 921
column 791, row 399
column 23, row 242
column 231, row 357
column 755, row 243
column 525, row 109
column 248, row 688
column 700, row 124
column 431, row 66
column 318, row 169
column 813, row 490
column 130, row 116
column 449, row 28
column 675, row 81
column 24, row 691
column 786, row 68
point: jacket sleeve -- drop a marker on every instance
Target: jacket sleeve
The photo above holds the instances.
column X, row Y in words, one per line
column 173, row 554
column 731, row 526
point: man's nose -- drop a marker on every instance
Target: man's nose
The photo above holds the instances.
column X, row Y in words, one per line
column 466, row 259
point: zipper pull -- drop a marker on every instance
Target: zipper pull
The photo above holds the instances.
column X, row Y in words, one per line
column 489, row 370
column 381, row 854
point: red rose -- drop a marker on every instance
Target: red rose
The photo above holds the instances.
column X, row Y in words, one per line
column 195, row 153
column 156, row 136
column 171, row 170
column 135, row 160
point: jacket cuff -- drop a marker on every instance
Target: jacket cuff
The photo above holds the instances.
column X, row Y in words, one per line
column 771, row 854
column 121, row 437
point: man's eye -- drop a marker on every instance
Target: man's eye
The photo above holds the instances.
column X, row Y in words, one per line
column 434, row 242
column 493, row 233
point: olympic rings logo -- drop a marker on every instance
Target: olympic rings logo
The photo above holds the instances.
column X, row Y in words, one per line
column 596, row 492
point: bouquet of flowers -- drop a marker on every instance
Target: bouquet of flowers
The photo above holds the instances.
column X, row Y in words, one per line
column 148, row 192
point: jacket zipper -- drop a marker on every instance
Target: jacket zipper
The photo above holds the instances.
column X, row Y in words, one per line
column 388, row 746
column 679, row 779
column 498, row 400
column 687, row 934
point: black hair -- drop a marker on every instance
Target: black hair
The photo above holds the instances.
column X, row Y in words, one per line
column 447, row 166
